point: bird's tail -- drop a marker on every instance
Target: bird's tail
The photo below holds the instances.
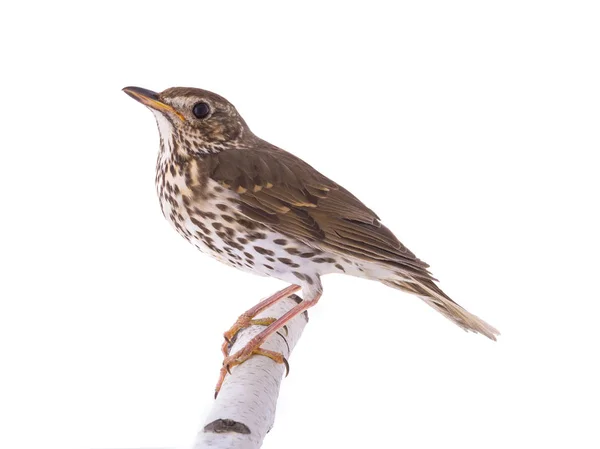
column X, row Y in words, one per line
column 429, row 292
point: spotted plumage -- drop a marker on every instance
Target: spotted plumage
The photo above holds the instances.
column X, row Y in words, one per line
column 258, row 208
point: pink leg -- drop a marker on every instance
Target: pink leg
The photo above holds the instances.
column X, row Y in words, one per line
column 246, row 318
column 252, row 347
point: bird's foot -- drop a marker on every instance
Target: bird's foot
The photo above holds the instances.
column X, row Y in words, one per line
column 247, row 318
column 242, row 322
column 244, row 354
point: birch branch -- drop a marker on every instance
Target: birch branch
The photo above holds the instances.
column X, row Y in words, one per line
column 244, row 410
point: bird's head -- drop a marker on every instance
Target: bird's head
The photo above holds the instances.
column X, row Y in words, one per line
column 199, row 120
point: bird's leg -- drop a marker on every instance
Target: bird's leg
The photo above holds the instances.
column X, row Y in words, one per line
column 253, row 346
column 247, row 318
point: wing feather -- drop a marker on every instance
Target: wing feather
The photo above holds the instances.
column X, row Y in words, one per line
column 285, row 193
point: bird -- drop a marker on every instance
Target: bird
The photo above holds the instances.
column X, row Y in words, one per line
column 256, row 207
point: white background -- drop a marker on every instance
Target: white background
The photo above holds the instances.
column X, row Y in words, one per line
column 472, row 128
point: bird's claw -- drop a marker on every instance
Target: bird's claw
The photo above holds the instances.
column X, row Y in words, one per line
column 243, row 355
column 243, row 322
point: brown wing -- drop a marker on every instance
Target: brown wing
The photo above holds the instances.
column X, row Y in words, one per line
column 282, row 191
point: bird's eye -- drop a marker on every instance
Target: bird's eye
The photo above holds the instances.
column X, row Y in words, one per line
column 201, row 110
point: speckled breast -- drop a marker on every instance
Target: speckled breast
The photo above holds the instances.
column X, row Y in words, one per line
column 207, row 215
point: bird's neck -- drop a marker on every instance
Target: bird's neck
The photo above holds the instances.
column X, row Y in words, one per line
column 176, row 144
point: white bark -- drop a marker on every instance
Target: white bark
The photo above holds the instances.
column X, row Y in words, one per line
column 244, row 410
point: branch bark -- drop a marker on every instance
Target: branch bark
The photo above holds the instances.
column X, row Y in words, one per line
column 244, row 410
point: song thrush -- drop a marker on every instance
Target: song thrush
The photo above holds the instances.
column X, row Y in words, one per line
column 256, row 207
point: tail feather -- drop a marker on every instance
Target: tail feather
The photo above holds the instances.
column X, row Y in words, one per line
column 437, row 299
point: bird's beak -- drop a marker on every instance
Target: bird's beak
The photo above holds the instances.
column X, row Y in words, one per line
column 150, row 99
